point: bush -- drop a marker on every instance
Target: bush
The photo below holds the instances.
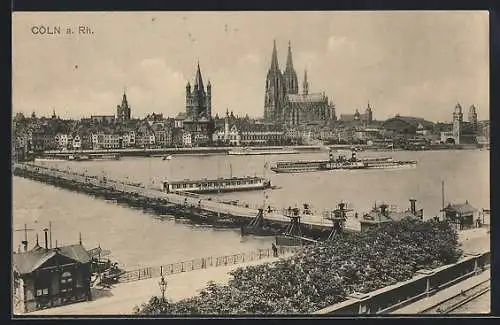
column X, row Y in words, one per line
column 326, row 273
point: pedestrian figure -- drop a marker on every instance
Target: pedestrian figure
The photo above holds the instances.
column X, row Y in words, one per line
column 356, row 215
column 275, row 250
column 269, row 209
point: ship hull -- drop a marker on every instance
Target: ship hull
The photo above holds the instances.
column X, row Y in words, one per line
column 255, row 153
column 223, row 190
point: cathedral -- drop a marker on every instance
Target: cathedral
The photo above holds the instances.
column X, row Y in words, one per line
column 199, row 123
column 284, row 104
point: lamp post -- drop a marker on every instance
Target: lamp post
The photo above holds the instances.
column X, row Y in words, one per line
column 162, row 284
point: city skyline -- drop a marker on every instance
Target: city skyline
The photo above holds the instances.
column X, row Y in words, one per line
column 418, row 63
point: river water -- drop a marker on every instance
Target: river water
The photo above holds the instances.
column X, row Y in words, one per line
column 140, row 239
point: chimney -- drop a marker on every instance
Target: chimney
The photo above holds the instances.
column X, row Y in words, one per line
column 46, row 238
column 413, row 208
column 383, row 209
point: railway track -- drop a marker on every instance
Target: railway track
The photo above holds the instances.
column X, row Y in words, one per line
column 453, row 303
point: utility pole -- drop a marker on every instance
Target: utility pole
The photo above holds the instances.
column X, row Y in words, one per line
column 442, row 198
column 25, row 241
column 50, row 234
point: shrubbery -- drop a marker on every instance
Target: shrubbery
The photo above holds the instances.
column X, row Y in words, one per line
column 325, row 274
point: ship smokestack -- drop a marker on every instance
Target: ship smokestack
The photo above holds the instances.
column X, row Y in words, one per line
column 46, row 238
column 413, row 208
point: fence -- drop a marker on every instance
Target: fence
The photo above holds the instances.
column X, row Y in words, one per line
column 203, row 263
column 423, row 284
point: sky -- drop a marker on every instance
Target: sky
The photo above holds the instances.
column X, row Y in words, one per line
column 408, row 63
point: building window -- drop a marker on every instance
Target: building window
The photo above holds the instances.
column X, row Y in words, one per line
column 42, row 292
column 66, row 282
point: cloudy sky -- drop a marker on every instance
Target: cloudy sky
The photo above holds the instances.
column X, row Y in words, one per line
column 411, row 63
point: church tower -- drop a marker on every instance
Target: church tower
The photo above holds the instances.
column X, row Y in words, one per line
column 198, row 101
column 473, row 118
column 305, row 85
column 457, row 122
column 275, row 90
column 291, row 83
column 368, row 113
column 123, row 111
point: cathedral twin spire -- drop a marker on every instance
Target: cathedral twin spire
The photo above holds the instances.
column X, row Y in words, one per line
column 289, row 75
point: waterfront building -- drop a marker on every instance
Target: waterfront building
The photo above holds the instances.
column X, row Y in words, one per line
column 260, row 134
column 177, row 137
column 43, row 140
column 227, row 133
column 186, row 139
column 49, row 277
column 62, row 141
column 461, row 216
column 144, row 136
column 179, row 120
column 101, row 140
column 405, row 126
column 198, row 121
column 77, row 142
column 364, row 118
column 284, row 104
column 462, row 132
column 161, row 134
column 123, row 111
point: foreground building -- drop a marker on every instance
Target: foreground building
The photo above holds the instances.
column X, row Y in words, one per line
column 460, row 215
column 50, row 277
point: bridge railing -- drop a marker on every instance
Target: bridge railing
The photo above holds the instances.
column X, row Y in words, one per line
column 203, row 263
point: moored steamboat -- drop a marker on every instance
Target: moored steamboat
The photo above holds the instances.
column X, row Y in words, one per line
column 231, row 184
column 339, row 163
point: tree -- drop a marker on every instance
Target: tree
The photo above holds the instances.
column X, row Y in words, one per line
column 325, row 273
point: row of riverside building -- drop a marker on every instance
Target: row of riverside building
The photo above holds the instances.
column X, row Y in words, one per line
column 290, row 117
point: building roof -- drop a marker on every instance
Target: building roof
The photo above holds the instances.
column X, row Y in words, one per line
column 376, row 215
column 309, row 98
column 27, row 262
column 181, row 116
column 413, row 121
column 462, row 208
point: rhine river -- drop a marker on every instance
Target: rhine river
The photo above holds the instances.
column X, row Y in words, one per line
column 140, row 239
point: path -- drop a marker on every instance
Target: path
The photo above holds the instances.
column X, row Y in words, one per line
column 122, row 298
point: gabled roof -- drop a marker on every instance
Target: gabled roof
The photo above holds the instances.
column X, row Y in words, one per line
column 27, row 262
column 462, row 208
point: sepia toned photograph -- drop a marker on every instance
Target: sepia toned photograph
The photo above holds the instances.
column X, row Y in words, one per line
column 315, row 163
